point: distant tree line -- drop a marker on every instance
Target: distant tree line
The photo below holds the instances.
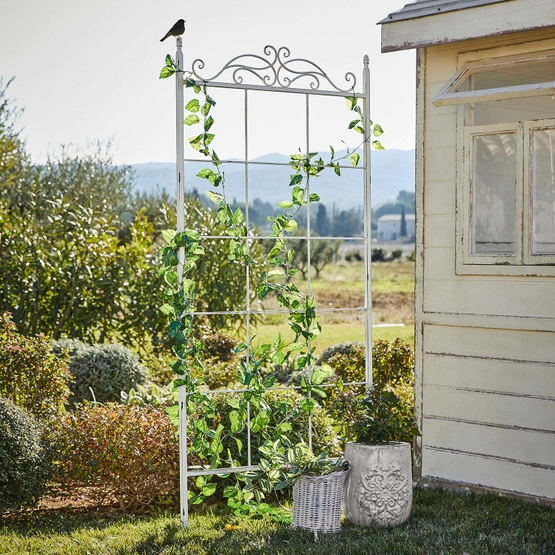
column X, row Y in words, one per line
column 80, row 250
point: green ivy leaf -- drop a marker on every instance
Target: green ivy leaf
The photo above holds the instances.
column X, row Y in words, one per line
column 355, row 158
column 351, row 102
column 166, row 72
column 377, row 145
column 208, row 123
column 290, row 226
column 193, row 105
column 191, row 119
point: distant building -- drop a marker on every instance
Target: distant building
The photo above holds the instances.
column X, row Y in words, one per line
column 389, row 227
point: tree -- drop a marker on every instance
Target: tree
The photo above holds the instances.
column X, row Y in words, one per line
column 322, row 223
column 348, row 223
column 322, row 252
column 403, row 231
column 14, row 160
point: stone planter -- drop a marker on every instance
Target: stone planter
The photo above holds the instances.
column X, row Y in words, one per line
column 378, row 487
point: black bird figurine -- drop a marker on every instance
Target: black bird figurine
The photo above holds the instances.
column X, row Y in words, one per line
column 176, row 30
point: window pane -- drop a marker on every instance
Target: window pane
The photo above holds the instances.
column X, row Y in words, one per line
column 543, row 191
column 512, row 109
column 494, row 194
column 508, row 75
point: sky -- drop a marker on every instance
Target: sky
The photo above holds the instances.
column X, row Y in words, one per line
column 87, row 71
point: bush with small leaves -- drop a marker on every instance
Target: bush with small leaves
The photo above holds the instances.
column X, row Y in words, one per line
column 71, row 346
column 218, row 374
column 379, row 255
column 385, row 414
column 387, row 410
column 280, row 416
column 107, row 370
column 341, row 348
column 25, row 458
column 353, row 256
column 120, row 452
column 31, row 376
column 220, row 346
column 396, row 254
column 392, row 362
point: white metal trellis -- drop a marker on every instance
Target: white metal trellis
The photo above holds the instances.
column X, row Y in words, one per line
column 276, row 72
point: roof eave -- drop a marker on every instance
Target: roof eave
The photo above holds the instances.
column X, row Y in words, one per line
column 476, row 21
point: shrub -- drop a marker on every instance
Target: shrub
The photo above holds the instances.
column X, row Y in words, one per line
column 281, row 406
column 392, row 362
column 219, row 346
column 411, row 257
column 218, row 374
column 340, row 348
column 108, row 370
column 121, row 452
column 353, row 256
column 71, row 346
column 384, row 413
column 31, row 376
column 25, row 458
column 379, row 255
column 396, row 254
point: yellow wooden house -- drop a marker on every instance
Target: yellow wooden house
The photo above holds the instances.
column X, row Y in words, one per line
column 485, row 241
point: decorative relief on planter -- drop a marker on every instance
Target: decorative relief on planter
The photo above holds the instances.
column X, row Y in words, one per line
column 378, row 487
column 383, row 494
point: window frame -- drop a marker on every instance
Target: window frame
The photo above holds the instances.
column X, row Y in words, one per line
column 448, row 96
column 529, row 258
column 523, row 263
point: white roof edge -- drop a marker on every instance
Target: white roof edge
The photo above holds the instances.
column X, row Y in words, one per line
column 483, row 19
column 425, row 8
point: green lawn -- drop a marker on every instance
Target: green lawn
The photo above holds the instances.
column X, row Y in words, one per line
column 335, row 333
column 441, row 523
column 388, row 278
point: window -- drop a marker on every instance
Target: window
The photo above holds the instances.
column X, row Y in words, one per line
column 506, row 189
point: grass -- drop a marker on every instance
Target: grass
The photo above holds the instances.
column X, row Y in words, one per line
column 339, row 332
column 441, row 523
column 343, row 285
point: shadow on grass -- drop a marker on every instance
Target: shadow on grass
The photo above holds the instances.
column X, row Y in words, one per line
column 441, row 522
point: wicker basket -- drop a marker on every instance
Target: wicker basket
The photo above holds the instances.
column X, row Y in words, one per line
column 317, row 502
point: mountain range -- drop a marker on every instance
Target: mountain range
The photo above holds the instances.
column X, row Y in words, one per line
column 268, row 176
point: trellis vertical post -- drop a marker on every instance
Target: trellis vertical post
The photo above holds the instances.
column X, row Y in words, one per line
column 180, row 196
column 366, row 152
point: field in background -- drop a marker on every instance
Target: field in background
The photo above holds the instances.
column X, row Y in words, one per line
column 341, row 285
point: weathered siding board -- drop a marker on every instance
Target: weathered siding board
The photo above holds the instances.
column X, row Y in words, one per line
column 517, row 377
column 533, row 346
column 439, row 198
column 489, row 407
column 439, row 231
column 440, row 133
column 519, row 298
column 523, row 446
column 440, row 264
column 442, row 164
column 488, row 472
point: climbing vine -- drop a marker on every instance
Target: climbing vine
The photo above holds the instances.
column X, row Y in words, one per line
column 280, row 459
